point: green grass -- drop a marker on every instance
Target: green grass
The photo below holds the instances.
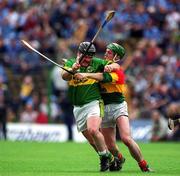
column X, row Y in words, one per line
column 78, row 159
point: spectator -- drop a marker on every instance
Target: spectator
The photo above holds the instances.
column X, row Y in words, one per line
column 3, row 49
column 152, row 32
column 52, row 28
column 59, row 86
column 173, row 111
column 4, row 100
column 50, row 108
column 42, row 118
column 159, row 128
column 26, row 89
column 28, row 115
column 3, row 74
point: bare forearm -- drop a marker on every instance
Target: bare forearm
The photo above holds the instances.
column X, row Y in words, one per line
column 96, row 76
column 115, row 66
column 66, row 76
column 111, row 67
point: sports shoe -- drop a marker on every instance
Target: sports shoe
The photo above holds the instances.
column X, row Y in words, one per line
column 104, row 163
column 170, row 124
column 144, row 166
column 117, row 165
column 147, row 169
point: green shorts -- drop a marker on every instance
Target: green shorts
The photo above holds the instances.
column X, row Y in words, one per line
column 112, row 112
column 82, row 113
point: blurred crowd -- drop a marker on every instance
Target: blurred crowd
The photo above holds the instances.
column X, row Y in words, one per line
column 148, row 29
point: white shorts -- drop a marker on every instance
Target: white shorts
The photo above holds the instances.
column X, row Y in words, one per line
column 112, row 112
column 82, row 113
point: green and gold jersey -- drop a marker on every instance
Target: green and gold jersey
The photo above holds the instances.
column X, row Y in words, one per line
column 112, row 87
column 81, row 93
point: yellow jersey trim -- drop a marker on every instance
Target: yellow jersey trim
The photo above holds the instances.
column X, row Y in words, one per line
column 75, row 83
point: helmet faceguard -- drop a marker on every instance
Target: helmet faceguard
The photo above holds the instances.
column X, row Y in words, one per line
column 118, row 50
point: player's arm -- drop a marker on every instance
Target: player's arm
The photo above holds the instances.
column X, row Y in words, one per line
column 111, row 67
column 84, row 76
column 117, row 77
column 66, row 76
column 100, row 63
column 107, row 66
column 115, row 66
column 71, row 67
column 102, row 77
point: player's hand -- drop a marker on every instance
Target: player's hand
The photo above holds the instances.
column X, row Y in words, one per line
column 112, row 67
column 108, row 68
column 75, row 67
column 80, row 77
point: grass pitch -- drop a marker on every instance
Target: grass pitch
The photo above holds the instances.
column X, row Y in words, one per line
column 78, row 159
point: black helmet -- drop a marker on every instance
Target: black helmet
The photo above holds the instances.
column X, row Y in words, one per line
column 83, row 47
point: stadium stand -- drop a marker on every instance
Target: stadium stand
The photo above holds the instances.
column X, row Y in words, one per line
column 149, row 30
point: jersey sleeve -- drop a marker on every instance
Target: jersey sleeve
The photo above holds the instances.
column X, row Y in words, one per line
column 69, row 63
column 117, row 77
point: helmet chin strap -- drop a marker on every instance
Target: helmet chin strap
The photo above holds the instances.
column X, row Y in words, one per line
column 115, row 58
column 79, row 60
column 78, row 57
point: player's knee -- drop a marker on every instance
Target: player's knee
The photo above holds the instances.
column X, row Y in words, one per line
column 92, row 131
column 126, row 140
